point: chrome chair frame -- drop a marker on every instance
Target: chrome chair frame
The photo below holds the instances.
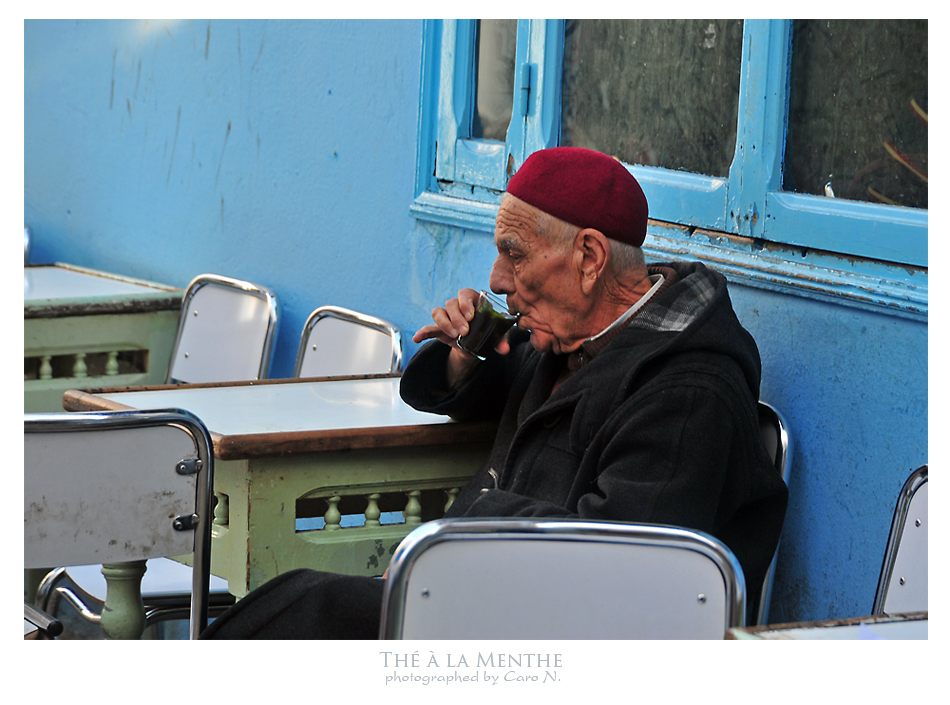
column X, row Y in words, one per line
column 201, row 521
column 46, row 624
column 355, row 317
column 772, row 421
column 261, row 292
column 911, row 487
column 443, row 530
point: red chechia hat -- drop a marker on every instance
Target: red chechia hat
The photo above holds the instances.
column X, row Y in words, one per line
column 587, row 189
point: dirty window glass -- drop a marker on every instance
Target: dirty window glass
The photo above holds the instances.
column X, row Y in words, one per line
column 858, row 115
column 494, row 78
column 653, row 92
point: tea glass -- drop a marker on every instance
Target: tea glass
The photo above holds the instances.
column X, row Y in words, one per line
column 488, row 326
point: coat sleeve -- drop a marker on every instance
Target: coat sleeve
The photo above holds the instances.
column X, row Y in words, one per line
column 481, row 397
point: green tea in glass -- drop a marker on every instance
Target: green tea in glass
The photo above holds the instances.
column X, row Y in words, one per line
column 488, row 326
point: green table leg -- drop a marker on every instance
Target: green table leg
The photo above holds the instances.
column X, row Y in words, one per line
column 123, row 615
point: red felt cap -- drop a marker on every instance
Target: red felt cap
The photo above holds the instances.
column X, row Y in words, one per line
column 585, row 188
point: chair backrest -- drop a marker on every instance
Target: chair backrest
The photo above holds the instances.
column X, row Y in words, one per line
column 337, row 342
column 225, row 332
column 109, row 487
column 564, row 579
column 902, row 586
column 778, row 443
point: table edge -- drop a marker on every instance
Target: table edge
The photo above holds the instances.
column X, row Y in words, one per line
column 233, row 383
column 134, row 303
column 820, row 623
column 269, row 445
column 105, row 275
column 164, row 298
column 260, row 445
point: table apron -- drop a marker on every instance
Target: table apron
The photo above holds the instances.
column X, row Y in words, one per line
column 148, row 337
column 255, row 533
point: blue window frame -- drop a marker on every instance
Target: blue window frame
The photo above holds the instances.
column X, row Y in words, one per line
column 460, row 180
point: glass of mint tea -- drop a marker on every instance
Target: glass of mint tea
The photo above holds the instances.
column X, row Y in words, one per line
column 488, row 326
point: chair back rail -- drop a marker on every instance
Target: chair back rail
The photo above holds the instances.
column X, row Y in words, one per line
column 336, row 342
column 778, row 443
column 902, row 586
column 225, row 333
column 565, row 579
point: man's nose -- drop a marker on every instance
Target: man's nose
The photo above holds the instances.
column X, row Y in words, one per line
column 500, row 280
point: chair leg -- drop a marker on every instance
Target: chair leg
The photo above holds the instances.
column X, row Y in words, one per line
column 52, row 591
column 47, row 585
column 75, row 602
column 48, row 627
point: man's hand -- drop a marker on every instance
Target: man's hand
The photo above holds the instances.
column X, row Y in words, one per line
column 452, row 321
column 448, row 324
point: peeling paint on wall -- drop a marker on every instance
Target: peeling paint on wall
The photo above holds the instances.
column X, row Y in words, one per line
column 441, row 262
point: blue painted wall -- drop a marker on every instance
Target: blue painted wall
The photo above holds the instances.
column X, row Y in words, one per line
column 284, row 153
column 279, row 152
column 854, row 386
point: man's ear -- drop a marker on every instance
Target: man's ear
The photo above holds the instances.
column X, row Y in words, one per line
column 591, row 252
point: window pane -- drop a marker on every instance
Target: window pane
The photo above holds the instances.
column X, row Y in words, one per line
column 858, row 116
column 494, row 78
column 653, row 92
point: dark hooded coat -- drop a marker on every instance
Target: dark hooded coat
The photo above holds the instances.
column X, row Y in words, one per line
column 661, row 426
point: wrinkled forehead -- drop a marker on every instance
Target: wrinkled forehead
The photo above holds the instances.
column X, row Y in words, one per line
column 516, row 223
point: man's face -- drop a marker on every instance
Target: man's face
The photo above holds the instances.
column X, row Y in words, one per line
column 540, row 281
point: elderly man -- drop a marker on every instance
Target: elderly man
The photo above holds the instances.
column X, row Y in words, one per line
column 625, row 393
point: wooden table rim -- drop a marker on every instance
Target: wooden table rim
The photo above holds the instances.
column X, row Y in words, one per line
column 255, row 445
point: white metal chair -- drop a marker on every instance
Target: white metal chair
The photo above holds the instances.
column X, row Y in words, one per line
column 774, row 431
column 560, row 579
column 902, row 586
column 338, row 342
column 226, row 332
column 113, row 488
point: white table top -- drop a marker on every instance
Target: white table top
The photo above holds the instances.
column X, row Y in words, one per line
column 288, row 407
column 57, row 282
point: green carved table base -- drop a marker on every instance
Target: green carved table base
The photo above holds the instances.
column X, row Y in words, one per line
column 255, row 534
